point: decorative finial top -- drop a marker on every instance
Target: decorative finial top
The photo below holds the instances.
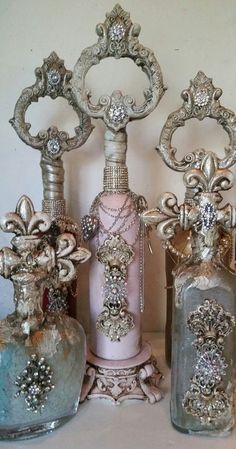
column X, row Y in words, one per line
column 201, row 100
column 25, row 221
column 118, row 38
column 53, row 80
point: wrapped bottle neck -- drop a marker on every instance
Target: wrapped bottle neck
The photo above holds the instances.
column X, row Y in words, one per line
column 115, row 179
column 53, row 187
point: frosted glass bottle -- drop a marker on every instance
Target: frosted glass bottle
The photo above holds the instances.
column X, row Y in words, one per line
column 42, row 355
column 203, row 343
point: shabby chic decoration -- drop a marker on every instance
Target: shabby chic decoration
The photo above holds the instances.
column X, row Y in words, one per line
column 203, row 326
column 113, row 224
column 43, row 354
column 53, row 80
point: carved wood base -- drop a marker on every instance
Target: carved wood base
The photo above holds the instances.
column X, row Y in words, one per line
column 136, row 378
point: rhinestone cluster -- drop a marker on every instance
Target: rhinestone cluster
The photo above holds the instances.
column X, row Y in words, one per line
column 201, row 98
column 117, row 113
column 54, row 77
column 117, row 32
column 115, row 321
column 208, row 216
column 54, row 208
column 58, row 300
column 89, row 226
column 210, row 366
column 207, row 398
column 115, row 179
column 53, row 147
column 35, row 382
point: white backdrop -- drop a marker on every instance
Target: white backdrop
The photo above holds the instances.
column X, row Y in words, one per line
column 186, row 36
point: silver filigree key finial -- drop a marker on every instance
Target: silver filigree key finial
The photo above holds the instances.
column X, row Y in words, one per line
column 53, row 80
column 118, row 38
column 201, row 100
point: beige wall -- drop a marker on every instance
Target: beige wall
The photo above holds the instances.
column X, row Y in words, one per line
column 186, row 35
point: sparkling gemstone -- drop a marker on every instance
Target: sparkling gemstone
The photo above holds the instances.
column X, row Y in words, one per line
column 201, row 97
column 53, row 146
column 117, row 32
column 208, row 213
column 117, row 113
column 54, row 77
column 211, row 367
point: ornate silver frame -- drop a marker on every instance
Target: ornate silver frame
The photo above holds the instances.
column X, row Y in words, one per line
column 201, row 100
column 118, row 38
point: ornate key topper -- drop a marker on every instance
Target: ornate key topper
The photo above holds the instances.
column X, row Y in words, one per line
column 52, row 80
column 201, row 100
column 204, row 171
column 118, row 38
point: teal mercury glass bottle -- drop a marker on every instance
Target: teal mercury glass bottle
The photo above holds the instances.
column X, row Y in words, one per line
column 42, row 355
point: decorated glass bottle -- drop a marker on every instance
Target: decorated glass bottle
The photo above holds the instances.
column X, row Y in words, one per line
column 53, row 81
column 43, row 355
column 118, row 354
column 204, row 306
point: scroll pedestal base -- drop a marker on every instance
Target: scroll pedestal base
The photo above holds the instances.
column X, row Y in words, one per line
column 118, row 380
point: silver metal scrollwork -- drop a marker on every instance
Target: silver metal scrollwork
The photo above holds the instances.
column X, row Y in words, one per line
column 115, row 321
column 53, row 80
column 118, row 38
column 201, row 100
column 207, row 399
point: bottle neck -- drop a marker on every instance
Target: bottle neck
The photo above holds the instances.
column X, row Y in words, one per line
column 205, row 247
column 115, row 179
column 53, row 187
column 28, row 295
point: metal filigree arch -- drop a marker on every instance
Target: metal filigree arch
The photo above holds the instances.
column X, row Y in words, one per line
column 53, row 80
column 201, row 100
column 118, row 38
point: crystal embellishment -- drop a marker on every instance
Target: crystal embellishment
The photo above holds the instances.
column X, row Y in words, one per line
column 53, row 147
column 117, row 32
column 117, row 113
column 58, row 300
column 35, row 383
column 208, row 216
column 201, row 97
column 207, row 398
column 54, row 77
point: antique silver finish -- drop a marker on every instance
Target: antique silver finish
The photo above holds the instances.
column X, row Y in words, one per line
column 206, row 397
column 53, row 80
column 32, row 259
column 201, row 100
column 35, row 383
column 118, row 38
column 205, row 213
column 116, row 255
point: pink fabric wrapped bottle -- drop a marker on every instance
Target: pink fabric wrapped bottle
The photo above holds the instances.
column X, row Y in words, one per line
column 120, row 365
